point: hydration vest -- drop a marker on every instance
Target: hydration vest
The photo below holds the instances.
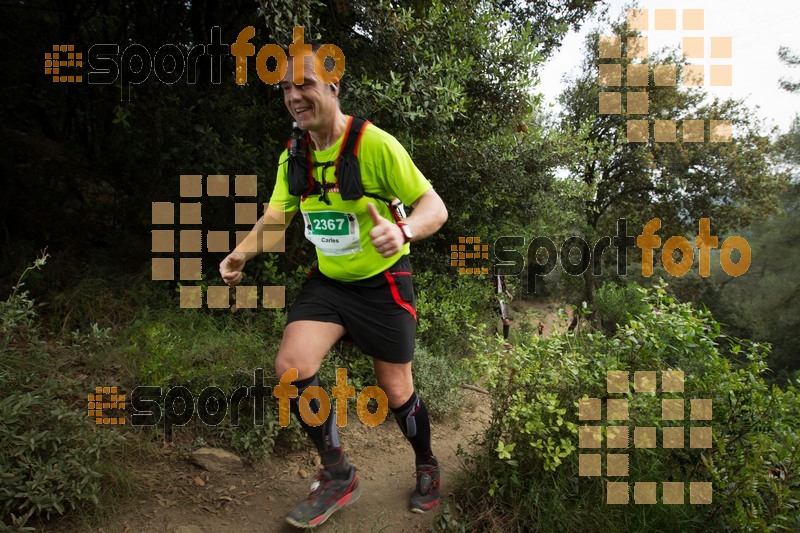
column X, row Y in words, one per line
column 347, row 172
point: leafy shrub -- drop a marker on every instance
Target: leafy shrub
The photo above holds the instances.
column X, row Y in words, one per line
column 17, row 312
column 615, row 305
column 51, row 460
column 527, row 478
column 174, row 347
column 445, row 305
column 437, row 378
column 524, row 326
column 196, row 350
column 51, row 457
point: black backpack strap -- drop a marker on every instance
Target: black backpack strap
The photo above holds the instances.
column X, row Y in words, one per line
column 355, row 128
column 299, row 172
column 378, row 197
column 348, row 173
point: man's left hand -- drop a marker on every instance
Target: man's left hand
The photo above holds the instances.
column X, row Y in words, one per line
column 386, row 237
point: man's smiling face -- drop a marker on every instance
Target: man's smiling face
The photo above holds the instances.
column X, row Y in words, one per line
column 312, row 104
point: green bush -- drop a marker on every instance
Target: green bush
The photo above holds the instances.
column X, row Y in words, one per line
column 615, row 305
column 50, row 462
column 437, row 378
column 52, row 456
column 526, row 476
column 17, row 312
column 445, row 305
column 194, row 349
column 525, row 325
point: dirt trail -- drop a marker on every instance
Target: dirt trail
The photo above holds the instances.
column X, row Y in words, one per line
column 547, row 313
column 183, row 498
column 186, row 499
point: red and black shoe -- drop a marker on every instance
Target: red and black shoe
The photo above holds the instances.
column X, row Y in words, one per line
column 426, row 495
column 328, row 495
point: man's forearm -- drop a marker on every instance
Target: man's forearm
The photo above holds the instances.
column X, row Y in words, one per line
column 259, row 238
column 429, row 215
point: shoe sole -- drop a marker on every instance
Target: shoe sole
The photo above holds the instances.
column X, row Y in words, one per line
column 347, row 499
column 421, row 509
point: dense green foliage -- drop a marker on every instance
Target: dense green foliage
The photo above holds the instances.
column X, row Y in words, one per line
column 764, row 303
column 529, row 456
column 453, row 82
column 731, row 183
column 52, row 458
column 615, row 305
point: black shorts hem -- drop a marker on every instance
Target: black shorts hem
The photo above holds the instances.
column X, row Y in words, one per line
column 378, row 312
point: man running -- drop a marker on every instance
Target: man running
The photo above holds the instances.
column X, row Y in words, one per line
column 362, row 286
column 502, row 294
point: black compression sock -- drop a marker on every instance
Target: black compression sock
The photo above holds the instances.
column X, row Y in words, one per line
column 325, row 436
column 412, row 417
column 505, row 332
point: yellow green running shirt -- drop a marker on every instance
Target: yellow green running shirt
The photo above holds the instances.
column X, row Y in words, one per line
column 340, row 231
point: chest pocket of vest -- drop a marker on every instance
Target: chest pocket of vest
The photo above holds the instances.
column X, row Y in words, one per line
column 348, row 175
column 300, row 181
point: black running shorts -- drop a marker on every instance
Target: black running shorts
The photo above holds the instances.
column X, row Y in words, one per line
column 378, row 312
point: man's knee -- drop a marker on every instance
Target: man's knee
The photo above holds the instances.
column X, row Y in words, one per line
column 285, row 363
column 398, row 390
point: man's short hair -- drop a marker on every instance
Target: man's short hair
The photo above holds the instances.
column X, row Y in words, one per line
column 329, row 64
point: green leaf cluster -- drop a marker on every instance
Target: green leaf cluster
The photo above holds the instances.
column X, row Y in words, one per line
column 527, row 475
column 51, row 459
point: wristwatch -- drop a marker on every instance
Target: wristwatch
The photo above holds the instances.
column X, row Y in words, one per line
column 408, row 234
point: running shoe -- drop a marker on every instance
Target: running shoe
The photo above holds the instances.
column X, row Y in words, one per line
column 426, row 495
column 328, row 495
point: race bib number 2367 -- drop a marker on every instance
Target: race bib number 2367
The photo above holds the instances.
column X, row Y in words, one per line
column 333, row 232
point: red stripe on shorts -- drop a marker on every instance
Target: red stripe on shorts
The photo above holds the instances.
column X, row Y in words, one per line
column 396, row 295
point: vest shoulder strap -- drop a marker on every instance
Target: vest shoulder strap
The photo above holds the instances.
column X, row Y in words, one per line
column 352, row 139
column 348, row 171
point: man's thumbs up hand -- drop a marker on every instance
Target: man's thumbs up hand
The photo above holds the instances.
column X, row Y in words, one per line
column 386, row 237
column 376, row 217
